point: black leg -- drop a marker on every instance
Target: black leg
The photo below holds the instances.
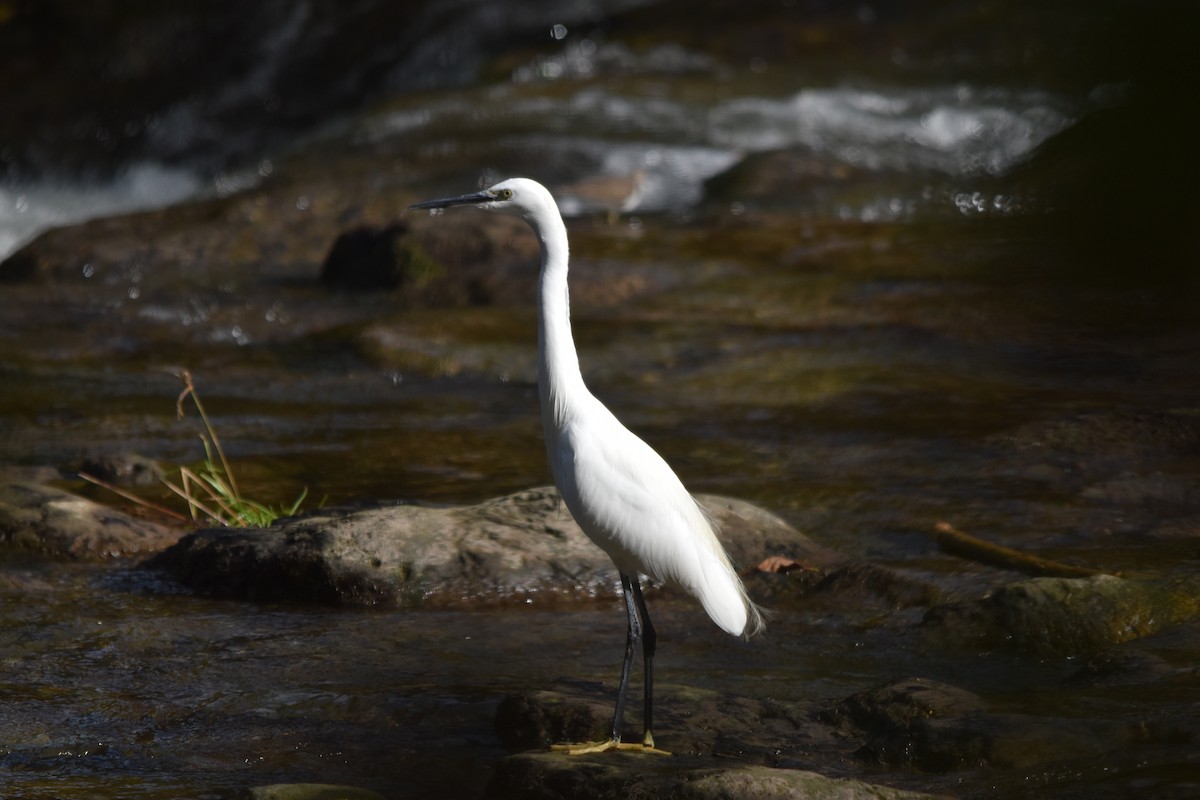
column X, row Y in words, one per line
column 640, row 630
column 633, row 635
column 649, row 641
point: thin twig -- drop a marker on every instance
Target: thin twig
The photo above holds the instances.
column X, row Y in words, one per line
column 962, row 544
column 207, row 482
column 141, row 501
column 193, row 503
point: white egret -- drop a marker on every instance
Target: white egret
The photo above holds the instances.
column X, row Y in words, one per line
column 621, row 492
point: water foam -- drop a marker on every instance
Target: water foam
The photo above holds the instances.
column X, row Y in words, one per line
column 955, row 130
column 27, row 210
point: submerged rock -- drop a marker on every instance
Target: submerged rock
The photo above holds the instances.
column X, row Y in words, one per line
column 517, row 546
column 869, row 582
column 467, row 260
column 310, row 791
column 625, row 776
column 369, row 258
column 690, row 722
column 1065, row 615
column 126, row 469
column 40, row 519
column 936, row 727
column 536, row 719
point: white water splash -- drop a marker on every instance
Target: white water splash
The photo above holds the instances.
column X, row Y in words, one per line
column 27, row 210
column 956, row 130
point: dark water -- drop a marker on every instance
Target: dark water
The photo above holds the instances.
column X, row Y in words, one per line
column 114, row 689
column 907, row 319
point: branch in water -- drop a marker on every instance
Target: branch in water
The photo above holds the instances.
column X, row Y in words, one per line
column 961, row 544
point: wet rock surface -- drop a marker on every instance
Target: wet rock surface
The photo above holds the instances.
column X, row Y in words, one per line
column 310, row 791
column 1065, row 616
column 360, row 243
column 469, row 262
column 694, row 724
column 508, row 548
column 630, row 776
column 940, row 728
column 40, row 520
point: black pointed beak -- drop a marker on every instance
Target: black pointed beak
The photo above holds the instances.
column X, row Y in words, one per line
column 461, row 200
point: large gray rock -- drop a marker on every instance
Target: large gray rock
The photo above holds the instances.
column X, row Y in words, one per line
column 521, row 545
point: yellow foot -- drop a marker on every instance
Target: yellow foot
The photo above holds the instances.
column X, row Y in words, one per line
column 609, row 744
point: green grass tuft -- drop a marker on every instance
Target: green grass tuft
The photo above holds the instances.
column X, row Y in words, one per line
column 210, row 491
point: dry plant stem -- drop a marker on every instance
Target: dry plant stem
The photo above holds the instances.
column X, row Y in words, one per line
column 194, row 505
column 961, row 544
column 217, row 490
column 132, row 497
column 189, row 390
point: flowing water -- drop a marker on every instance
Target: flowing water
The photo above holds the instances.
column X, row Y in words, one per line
column 890, row 339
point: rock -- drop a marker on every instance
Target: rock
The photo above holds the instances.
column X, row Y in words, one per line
column 767, row 783
column 1111, row 459
column 935, row 727
column 797, row 173
column 25, row 583
column 866, row 581
column 1123, row 667
column 900, row 704
column 236, row 241
column 630, row 777
column 1077, row 177
column 373, row 258
column 1119, row 437
column 128, row 469
column 833, row 582
column 470, row 259
column 259, row 237
column 518, row 546
column 1064, row 616
column 310, row 791
column 1156, row 490
column 40, row 519
column 536, row 719
column 689, row 722
column 24, row 265
column 903, row 721
column 499, row 344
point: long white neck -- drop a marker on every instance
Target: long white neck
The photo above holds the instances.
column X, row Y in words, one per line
column 560, row 383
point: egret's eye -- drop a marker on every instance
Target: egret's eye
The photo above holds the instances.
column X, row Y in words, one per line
column 506, row 194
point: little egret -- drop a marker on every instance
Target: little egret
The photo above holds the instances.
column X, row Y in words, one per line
column 623, row 494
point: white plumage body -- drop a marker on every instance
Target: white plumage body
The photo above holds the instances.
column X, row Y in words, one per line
column 631, row 504
column 621, row 492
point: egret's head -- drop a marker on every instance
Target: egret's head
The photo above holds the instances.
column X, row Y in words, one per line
column 520, row 197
